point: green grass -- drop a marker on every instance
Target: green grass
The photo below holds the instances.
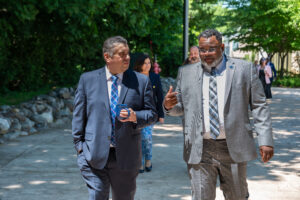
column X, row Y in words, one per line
column 14, row 98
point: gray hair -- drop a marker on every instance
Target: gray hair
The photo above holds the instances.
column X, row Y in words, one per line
column 110, row 43
column 209, row 33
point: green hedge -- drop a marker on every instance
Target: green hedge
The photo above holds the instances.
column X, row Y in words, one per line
column 293, row 82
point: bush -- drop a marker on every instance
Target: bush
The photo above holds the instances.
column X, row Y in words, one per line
column 293, row 82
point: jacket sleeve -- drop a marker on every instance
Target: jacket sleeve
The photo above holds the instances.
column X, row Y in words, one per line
column 260, row 111
column 148, row 114
column 269, row 71
column 79, row 115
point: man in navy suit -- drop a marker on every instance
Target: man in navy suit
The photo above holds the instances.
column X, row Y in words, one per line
column 109, row 150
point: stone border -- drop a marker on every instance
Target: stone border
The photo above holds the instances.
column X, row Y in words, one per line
column 53, row 110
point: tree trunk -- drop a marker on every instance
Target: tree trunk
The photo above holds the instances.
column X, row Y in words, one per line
column 282, row 58
column 270, row 55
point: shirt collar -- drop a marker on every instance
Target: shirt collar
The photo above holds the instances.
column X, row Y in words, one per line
column 222, row 66
column 109, row 75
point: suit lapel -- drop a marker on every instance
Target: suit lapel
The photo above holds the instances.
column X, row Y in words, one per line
column 230, row 69
column 103, row 88
column 124, row 88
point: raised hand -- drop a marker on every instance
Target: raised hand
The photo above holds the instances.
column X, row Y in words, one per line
column 170, row 99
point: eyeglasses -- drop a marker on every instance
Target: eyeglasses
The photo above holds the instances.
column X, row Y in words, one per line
column 210, row 50
column 123, row 54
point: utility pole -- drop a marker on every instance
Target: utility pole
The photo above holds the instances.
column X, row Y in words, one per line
column 185, row 29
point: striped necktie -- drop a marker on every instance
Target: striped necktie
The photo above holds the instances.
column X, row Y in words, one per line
column 113, row 104
column 213, row 106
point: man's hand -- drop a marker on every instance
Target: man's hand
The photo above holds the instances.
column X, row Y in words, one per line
column 170, row 99
column 266, row 153
column 124, row 114
column 161, row 120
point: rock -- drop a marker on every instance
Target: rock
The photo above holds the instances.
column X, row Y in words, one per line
column 27, row 113
column 18, row 114
column 64, row 93
column 4, row 125
column 23, row 133
column 5, row 108
column 72, row 91
column 33, row 130
column 40, row 122
column 53, row 93
column 47, row 116
column 15, row 125
column 69, row 104
column 65, row 112
column 59, row 123
column 12, row 135
column 166, row 82
column 40, row 107
column 27, row 125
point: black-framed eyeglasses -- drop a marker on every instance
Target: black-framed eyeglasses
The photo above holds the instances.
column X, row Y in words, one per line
column 210, row 50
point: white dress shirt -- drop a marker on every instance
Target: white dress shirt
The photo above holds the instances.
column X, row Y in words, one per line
column 109, row 82
column 221, row 80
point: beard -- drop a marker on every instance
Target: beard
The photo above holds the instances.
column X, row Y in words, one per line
column 194, row 60
column 208, row 67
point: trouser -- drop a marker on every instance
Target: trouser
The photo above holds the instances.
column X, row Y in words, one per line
column 146, row 144
column 268, row 91
column 215, row 162
column 99, row 181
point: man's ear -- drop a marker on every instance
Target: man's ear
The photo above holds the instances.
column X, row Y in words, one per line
column 106, row 57
column 222, row 46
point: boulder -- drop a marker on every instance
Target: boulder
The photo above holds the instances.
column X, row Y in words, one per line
column 5, row 125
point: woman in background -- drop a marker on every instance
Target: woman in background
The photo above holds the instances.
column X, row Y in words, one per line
column 265, row 73
column 144, row 66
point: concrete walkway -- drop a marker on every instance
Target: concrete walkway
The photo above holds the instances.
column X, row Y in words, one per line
column 43, row 166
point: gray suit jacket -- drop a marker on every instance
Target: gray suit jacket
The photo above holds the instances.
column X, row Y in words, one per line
column 243, row 89
column 91, row 125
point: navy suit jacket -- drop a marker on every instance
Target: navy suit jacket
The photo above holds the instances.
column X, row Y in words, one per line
column 157, row 93
column 92, row 126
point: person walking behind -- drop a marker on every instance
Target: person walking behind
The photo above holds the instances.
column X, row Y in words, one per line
column 109, row 146
column 214, row 97
column 193, row 56
column 144, row 66
column 265, row 73
column 274, row 72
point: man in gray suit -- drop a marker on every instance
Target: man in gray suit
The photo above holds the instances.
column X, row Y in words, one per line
column 109, row 149
column 214, row 96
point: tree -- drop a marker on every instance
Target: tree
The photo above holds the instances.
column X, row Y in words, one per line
column 269, row 25
column 51, row 42
column 205, row 14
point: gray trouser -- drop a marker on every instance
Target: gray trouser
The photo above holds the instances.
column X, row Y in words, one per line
column 99, row 181
column 215, row 162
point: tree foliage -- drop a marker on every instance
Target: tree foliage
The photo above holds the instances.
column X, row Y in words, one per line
column 270, row 25
column 51, row 42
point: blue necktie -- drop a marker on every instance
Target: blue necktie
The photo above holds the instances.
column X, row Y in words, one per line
column 213, row 106
column 113, row 103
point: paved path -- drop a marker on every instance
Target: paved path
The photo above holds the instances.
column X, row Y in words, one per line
column 43, row 166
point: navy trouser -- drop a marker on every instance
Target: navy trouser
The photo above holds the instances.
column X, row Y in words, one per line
column 99, row 181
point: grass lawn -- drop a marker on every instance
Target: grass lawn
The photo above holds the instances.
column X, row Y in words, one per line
column 14, row 98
